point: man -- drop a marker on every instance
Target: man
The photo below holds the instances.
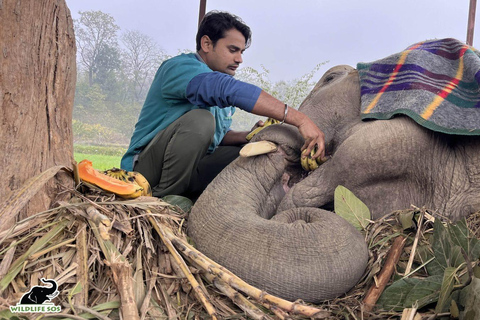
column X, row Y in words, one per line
column 182, row 139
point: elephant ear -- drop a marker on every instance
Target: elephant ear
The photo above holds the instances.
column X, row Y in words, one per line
column 352, row 209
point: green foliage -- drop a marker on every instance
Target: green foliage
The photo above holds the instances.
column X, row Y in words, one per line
column 103, row 157
column 350, row 208
column 99, row 161
column 453, row 249
column 111, row 150
column 95, row 133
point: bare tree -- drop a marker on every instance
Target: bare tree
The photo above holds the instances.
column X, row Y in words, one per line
column 96, row 33
column 142, row 57
column 37, row 85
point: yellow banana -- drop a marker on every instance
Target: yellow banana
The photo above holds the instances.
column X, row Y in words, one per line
column 136, row 194
column 119, row 174
column 304, row 162
column 267, row 123
column 140, row 180
column 310, row 164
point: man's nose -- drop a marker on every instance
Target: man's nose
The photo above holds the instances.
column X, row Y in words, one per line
column 239, row 58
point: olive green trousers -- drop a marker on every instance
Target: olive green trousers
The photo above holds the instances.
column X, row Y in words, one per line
column 176, row 162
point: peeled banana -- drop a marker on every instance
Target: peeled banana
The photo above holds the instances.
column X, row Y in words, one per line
column 267, row 123
column 130, row 177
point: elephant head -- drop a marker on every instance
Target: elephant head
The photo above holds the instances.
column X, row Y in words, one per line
column 299, row 253
column 40, row 294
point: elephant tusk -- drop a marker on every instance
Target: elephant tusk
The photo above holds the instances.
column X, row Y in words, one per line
column 258, row 148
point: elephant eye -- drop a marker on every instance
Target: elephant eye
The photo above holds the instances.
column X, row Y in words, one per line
column 329, row 78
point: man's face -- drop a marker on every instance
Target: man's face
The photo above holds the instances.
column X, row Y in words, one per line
column 226, row 55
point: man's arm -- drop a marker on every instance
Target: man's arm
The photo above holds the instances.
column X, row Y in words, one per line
column 235, row 138
column 269, row 106
column 218, row 89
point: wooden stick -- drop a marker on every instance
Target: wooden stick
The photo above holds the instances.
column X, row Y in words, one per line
column 415, row 244
column 385, row 274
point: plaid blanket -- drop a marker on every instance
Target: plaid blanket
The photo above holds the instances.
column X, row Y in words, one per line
column 435, row 82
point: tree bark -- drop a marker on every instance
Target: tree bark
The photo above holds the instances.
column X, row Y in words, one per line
column 37, row 86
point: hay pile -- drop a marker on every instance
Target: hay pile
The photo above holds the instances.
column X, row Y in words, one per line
column 119, row 259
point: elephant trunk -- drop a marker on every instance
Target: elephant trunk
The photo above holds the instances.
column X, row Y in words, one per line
column 300, row 253
column 51, row 290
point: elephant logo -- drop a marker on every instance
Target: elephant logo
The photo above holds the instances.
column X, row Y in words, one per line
column 40, row 294
column 38, row 298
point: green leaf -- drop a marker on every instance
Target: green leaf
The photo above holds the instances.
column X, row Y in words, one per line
column 446, row 290
column 446, row 253
column 406, row 219
column 471, row 300
column 350, row 208
column 405, row 293
column 182, row 202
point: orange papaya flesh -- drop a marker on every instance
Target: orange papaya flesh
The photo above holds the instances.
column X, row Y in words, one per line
column 124, row 189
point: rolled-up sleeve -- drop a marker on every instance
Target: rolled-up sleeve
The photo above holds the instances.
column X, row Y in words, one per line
column 222, row 90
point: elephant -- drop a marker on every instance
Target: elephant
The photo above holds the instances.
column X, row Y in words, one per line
column 40, row 294
column 270, row 223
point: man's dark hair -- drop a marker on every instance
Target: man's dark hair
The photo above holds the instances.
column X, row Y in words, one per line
column 215, row 23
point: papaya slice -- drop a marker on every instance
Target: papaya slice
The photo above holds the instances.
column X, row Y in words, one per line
column 123, row 189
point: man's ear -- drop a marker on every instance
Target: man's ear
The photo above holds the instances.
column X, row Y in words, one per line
column 206, row 43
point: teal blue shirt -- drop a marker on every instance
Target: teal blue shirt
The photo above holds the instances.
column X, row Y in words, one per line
column 168, row 99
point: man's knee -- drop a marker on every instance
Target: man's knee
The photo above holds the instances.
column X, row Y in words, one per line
column 200, row 123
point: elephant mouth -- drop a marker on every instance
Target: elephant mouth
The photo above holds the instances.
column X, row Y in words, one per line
column 293, row 172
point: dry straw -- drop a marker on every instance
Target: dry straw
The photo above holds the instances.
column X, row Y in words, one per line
column 117, row 259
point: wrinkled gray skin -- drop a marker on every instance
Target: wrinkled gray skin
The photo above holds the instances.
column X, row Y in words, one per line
column 261, row 216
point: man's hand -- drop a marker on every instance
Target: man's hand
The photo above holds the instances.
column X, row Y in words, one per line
column 259, row 123
column 313, row 137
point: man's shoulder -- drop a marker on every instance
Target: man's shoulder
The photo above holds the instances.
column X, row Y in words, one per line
column 184, row 58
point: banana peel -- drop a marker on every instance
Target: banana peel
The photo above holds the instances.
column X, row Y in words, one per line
column 257, row 148
column 267, row 123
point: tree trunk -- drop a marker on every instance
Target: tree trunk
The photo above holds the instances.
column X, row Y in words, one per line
column 37, row 86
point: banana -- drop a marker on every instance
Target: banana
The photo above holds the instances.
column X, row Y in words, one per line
column 119, row 174
column 308, row 163
column 131, row 177
column 140, row 180
column 257, row 148
column 312, row 164
column 304, row 162
column 267, row 123
column 134, row 195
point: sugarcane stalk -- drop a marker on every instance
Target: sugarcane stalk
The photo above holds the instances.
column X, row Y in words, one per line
column 122, row 274
column 202, row 296
column 238, row 284
column 82, row 268
column 243, row 303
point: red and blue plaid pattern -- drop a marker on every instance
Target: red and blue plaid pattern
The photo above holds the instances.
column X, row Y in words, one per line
column 434, row 82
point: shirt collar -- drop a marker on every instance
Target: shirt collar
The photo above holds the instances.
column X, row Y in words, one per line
column 198, row 57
